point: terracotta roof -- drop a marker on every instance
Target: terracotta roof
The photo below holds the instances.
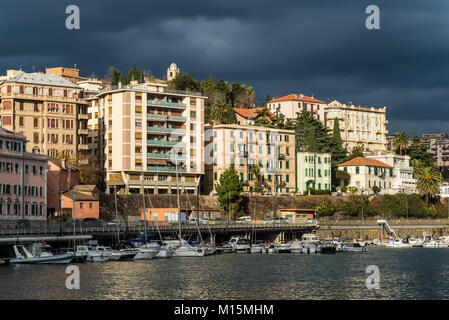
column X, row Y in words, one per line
column 249, row 113
column 297, row 97
column 84, row 187
column 79, row 196
column 359, row 161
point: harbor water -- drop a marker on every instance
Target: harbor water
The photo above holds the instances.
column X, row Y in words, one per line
column 409, row 273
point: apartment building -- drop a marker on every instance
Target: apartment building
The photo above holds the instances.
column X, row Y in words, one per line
column 402, row 180
column 437, row 145
column 23, row 188
column 366, row 173
column 146, row 128
column 49, row 110
column 313, row 170
column 359, row 126
column 291, row 104
column 242, row 146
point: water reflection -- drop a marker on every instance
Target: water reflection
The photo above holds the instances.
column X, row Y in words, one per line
column 404, row 274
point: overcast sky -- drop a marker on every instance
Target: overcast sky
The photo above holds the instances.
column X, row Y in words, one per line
column 318, row 47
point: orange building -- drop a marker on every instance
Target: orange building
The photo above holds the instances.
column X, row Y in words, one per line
column 87, row 203
column 298, row 215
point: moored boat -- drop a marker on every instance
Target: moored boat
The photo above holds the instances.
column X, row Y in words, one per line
column 41, row 256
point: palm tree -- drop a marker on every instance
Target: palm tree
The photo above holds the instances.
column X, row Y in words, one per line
column 400, row 141
column 428, row 182
column 255, row 170
column 219, row 111
column 418, row 165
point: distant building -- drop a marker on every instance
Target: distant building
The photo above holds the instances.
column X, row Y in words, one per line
column 437, row 145
column 247, row 116
column 359, row 126
column 273, row 150
column 172, row 71
column 23, row 187
column 49, row 110
column 444, row 190
column 291, row 104
column 71, row 74
column 402, row 180
column 366, row 173
column 313, row 170
column 84, row 199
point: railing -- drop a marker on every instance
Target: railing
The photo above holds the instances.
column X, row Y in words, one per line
column 165, row 117
column 165, row 169
column 54, row 228
column 167, row 104
column 163, row 156
column 166, row 130
column 166, row 143
column 143, row 87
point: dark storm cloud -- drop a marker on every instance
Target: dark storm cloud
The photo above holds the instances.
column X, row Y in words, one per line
column 318, row 47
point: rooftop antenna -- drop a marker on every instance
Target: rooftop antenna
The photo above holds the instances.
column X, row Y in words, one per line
column 33, row 68
column 20, row 67
column 75, row 66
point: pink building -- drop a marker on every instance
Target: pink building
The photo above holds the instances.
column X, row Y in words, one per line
column 61, row 177
column 291, row 104
column 23, row 187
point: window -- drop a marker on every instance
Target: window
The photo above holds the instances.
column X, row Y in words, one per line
column 90, row 205
column 357, row 170
column 81, row 205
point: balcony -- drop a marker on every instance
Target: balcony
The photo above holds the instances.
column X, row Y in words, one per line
column 175, row 105
column 83, row 116
column 152, row 116
column 83, row 147
column 165, row 169
column 163, row 156
column 281, row 156
column 165, row 143
column 83, row 131
column 166, row 130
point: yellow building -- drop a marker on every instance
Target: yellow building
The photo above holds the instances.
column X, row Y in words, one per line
column 359, row 126
column 48, row 109
column 273, row 150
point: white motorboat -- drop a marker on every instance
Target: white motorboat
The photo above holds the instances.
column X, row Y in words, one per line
column 398, row 243
column 242, row 246
column 271, row 249
column 186, row 250
column 416, row 242
column 353, row 247
column 257, row 248
column 163, row 251
column 41, row 256
column 284, row 248
column 434, row 242
column 95, row 256
column 144, row 253
column 80, row 255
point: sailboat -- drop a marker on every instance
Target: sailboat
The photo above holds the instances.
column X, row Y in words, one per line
column 254, row 247
column 184, row 249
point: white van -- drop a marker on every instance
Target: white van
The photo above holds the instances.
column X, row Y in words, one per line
column 245, row 219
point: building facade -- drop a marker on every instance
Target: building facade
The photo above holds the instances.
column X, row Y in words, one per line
column 23, row 186
column 359, row 126
column 145, row 128
column 49, row 110
column 366, row 173
column 313, row 170
column 402, row 180
column 437, row 145
column 81, row 202
column 272, row 150
column 291, row 104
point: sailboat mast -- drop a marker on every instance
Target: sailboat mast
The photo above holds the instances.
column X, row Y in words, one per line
column 116, row 216
column 74, row 221
column 179, row 205
column 144, row 210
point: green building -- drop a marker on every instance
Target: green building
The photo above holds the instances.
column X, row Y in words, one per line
column 313, row 170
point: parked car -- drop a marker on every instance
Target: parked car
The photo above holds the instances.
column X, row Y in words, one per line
column 268, row 221
column 92, row 222
column 113, row 223
column 244, row 219
column 72, row 223
column 193, row 220
column 205, row 221
column 23, row 224
column 218, row 221
column 142, row 223
column 281, row 220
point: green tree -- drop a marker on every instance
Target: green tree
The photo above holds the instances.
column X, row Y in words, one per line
column 183, row 81
column 428, row 182
column 338, row 153
column 417, row 151
column 229, row 191
column 263, row 118
column 375, row 189
column 356, row 152
column 255, row 171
